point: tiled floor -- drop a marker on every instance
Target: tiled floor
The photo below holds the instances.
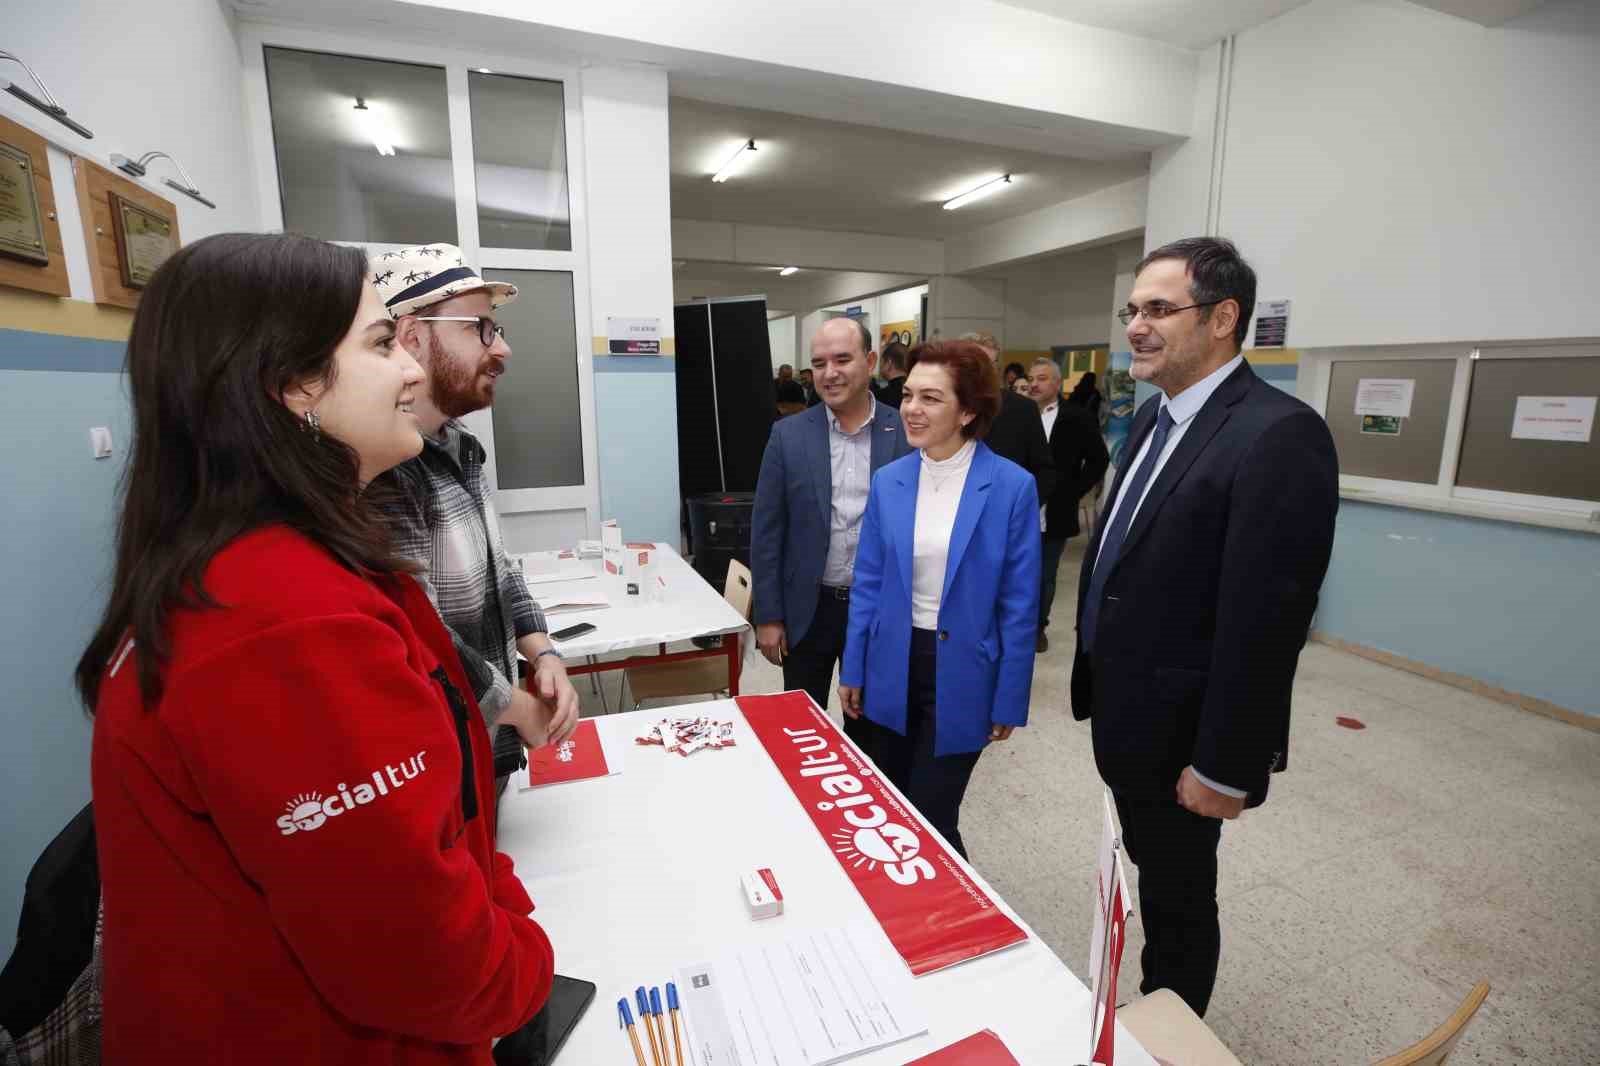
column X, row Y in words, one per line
column 1452, row 840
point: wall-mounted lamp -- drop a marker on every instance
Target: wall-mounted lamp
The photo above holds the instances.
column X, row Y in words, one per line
column 48, row 105
column 373, row 128
column 739, row 159
column 137, row 168
column 988, row 188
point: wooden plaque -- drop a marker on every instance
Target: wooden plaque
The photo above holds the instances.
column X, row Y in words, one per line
column 99, row 191
column 49, row 276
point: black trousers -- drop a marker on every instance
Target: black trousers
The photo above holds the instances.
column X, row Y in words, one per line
column 935, row 784
column 1176, row 853
column 1049, row 562
column 810, row 663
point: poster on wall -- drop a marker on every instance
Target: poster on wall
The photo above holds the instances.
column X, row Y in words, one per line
column 903, row 332
column 633, row 336
column 1272, row 323
column 1563, row 418
column 1389, row 397
column 1380, row 425
column 1118, row 390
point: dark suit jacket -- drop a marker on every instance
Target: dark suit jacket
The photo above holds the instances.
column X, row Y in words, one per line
column 892, row 391
column 1018, row 434
column 1081, row 459
column 1211, row 599
column 794, row 509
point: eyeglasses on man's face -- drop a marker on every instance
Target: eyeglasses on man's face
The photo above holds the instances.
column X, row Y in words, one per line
column 1156, row 310
column 488, row 328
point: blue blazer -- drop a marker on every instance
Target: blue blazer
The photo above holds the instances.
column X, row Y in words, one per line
column 794, row 509
column 989, row 614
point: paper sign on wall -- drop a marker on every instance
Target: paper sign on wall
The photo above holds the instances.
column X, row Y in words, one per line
column 633, row 336
column 1564, row 418
column 1272, row 323
column 1385, row 396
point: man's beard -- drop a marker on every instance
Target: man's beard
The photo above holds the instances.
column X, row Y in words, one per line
column 454, row 386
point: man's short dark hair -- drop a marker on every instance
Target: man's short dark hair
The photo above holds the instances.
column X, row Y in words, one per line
column 1216, row 272
column 893, row 356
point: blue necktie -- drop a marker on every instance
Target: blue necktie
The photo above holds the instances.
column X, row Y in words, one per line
column 1111, row 547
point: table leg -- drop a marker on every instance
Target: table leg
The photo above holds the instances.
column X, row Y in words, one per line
column 730, row 644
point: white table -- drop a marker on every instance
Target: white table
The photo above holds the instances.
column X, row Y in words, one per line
column 637, row 874
column 685, row 606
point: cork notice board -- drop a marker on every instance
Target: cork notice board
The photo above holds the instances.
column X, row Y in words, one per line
column 96, row 188
column 51, row 276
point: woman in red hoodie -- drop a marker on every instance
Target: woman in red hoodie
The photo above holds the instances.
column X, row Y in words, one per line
column 294, row 794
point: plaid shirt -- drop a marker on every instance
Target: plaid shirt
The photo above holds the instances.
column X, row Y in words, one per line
column 442, row 517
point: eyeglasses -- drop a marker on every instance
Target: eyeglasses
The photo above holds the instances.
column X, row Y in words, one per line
column 488, row 328
column 1156, row 310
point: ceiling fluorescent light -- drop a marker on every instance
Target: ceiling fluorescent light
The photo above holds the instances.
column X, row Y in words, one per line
column 739, row 159
column 786, row 271
column 988, row 188
column 373, row 129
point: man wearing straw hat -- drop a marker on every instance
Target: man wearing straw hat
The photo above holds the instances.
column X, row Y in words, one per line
column 440, row 511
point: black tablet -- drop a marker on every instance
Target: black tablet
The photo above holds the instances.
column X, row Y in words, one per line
column 538, row 1042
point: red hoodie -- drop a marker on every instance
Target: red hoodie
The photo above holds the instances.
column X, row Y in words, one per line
column 296, row 841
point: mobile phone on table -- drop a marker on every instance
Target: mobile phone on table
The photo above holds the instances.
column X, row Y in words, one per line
column 572, row 631
column 538, row 1042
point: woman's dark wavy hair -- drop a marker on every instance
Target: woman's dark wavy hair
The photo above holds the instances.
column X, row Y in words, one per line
column 224, row 328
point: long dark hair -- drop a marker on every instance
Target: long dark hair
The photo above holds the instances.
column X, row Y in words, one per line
column 223, row 329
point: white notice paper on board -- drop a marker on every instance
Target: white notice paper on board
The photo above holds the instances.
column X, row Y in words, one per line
column 1385, row 396
column 808, row 1000
column 1568, row 418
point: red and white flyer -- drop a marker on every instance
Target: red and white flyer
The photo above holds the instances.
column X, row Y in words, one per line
column 979, row 1049
column 931, row 910
column 582, row 756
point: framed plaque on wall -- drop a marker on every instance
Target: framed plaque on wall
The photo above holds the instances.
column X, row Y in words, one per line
column 31, row 256
column 128, row 229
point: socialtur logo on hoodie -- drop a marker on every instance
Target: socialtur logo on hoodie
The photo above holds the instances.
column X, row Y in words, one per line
column 309, row 810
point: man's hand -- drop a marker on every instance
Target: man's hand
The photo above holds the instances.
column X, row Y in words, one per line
column 1001, row 732
column 529, row 717
column 773, row 642
column 1203, row 800
column 554, row 689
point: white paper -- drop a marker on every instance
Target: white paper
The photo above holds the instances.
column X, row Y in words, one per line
column 808, row 1000
column 558, row 604
column 564, row 574
column 611, row 546
column 1565, row 418
column 1385, row 396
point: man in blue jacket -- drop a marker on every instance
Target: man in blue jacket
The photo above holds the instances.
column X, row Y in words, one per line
column 810, row 497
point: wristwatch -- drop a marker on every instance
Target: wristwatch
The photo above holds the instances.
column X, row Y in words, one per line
column 549, row 651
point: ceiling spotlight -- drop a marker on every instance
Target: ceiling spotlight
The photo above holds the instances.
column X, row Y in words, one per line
column 740, row 158
column 373, row 128
column 786, row 271
column 988, row 188
column 485, row 70
column 138, row 167
column 48, row 105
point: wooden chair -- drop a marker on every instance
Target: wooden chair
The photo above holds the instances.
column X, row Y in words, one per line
column 1436, row 1047
column 1172, row 1032
column 692, row 677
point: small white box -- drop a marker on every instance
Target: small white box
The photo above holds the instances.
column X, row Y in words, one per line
column 761, row 893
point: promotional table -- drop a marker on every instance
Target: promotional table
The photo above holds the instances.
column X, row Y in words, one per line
column 637, row 874
column 684, row 606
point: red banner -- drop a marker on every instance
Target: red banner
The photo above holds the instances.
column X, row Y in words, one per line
column 931, row 910
column 979, row 1049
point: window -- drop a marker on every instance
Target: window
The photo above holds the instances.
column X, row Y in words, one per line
column 376, row 173
column 519, row 151
column 537, row 428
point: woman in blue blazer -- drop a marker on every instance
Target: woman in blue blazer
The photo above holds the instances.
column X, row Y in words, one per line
column 944, row 609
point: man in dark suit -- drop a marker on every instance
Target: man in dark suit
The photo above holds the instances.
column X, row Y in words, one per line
column 1080, row 456
column 1197, row 594
column 1017, row 433
column 892, row 365
column 810, row 499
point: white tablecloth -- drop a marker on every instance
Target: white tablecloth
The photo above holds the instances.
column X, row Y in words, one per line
column 687, row 606
column 637, row 874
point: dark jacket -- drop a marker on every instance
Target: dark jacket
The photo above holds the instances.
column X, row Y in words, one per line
column 1080, row 456
column 891, row 392
column 1018, row 434
column 1211, row 598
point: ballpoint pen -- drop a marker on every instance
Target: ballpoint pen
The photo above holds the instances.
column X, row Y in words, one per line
column 672, row 1005
column 643, row 1002
column 660, row 1018
column 625, row 1018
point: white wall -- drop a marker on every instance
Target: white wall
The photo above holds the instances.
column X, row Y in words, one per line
column 780, row 339
column 1063, row 300
column 1408, row 177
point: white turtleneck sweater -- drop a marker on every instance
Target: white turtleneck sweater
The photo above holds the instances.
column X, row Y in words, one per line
column 938, row 497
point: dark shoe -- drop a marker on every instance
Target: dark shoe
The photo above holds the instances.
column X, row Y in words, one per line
column 1043, row 644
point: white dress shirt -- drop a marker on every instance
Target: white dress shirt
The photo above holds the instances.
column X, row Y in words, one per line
column 1047, row 415
column 1182, row 409
column 939, row 486
column 850, row 462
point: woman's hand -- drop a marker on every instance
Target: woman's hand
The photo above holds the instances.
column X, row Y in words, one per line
column 1000, row 732
column 850, row 700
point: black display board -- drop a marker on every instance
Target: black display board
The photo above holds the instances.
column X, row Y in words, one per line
column 726, row 403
